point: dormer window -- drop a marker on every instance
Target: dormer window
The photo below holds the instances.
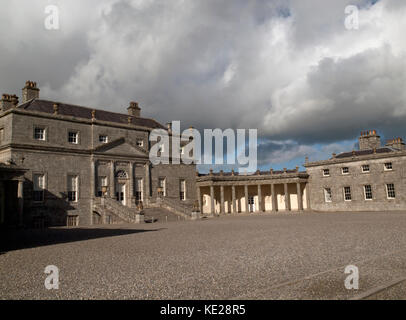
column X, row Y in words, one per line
column 103, row 139
column 365, row 168
column 326, row 172
column 73, row 137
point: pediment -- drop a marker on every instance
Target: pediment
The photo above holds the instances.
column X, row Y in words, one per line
column 121, row 147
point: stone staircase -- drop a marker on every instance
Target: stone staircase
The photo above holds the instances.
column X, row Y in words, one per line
column 113, row 211
column 152, row 215
column 182, row 209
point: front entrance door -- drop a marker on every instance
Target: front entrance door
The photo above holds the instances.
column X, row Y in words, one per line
column 251, row 204
column 120, row 193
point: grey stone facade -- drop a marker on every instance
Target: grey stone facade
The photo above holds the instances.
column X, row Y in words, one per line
column 89, row 147
column 359, row 180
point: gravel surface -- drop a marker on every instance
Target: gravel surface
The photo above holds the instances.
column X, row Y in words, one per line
column 283, row 256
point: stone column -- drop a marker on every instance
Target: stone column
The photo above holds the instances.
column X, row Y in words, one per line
column 246, row 198
column 287, row 197
column 212, row 200
column 233, row 199
column 222, row 199
column 274, row 198
column 112, row 181
column 259, row 199
column 93, row 173
column 307, row 196
column 20, row 196
column 199, row 198
column 299, row 197
column 132, row 187
column 147, row 182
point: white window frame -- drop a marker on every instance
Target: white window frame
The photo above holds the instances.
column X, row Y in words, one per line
column 102, row 182
column 41, row 188
column 344, row 173
column 182, row 194
column 43, row 138
column 139, row 194
column 328, row 195
column 73, row 187
column 76, row 137
column 387, row 191
column 385, row 167
column 365, row 171
column 350, row 193
column 365, row 192
column 103, row 138
column 324, row 172
column 163, row 187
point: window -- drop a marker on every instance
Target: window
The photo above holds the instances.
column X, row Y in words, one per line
column 182, row 190
column 73, row 188
column 326, row 172
column 39, row 186
column 73, row 137
column 327, row 194
column 390, row 190
column 368, row 192
column 345, row 170
column 39, row 134
column 138, row 189
column 103, row 139
column 140, row 143
column 347, row 194
column 102, row 183
column 388, row 166
column 161, row 186
column 365, row 168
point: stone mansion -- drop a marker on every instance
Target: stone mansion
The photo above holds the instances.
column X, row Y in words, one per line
column 58, row 160
column 62, row 164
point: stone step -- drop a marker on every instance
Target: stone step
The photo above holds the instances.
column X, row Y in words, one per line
column 160, row 215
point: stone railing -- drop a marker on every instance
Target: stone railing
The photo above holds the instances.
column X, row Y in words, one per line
column 109, row 205
column 174, row 205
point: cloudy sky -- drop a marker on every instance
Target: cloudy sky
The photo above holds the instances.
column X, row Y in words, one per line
column 289, row 68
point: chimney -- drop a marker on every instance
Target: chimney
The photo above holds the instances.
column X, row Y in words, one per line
column 6, row 102
column 134, row 110
column 30, row 91
column 396, row 143
column 369, row 140
column 169, row 126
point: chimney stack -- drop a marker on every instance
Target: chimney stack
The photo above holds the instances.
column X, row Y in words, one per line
column 134, row 110
column 396, row 143
column 30, row 91
column 6, row 102
column 369, row 140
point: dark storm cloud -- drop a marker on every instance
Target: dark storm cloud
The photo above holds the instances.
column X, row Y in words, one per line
column 288, row 68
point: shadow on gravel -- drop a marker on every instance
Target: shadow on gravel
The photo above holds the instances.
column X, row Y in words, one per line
column 22, row 239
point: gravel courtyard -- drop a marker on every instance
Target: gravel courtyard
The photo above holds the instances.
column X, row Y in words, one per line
column 284, row 256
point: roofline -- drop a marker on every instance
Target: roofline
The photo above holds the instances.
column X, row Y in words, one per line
column 77, row 119
column 355, row 158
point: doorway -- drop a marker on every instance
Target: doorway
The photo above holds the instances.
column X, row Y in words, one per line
column 120, row 193
column 251, row 204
